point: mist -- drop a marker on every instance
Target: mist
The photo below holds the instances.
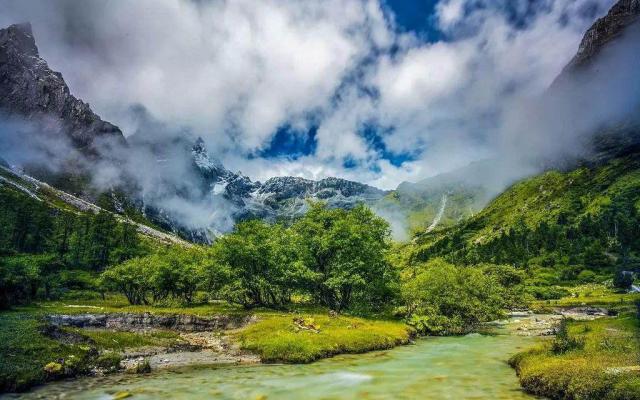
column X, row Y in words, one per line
column 233, row 73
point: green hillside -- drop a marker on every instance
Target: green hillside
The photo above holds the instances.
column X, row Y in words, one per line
column 583, row 219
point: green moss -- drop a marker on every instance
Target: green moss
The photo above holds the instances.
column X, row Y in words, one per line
column 605, row 367
column 24, row 353
column 109, row 361
column 276, row 338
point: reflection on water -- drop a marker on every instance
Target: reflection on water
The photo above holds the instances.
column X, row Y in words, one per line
column 468, row 367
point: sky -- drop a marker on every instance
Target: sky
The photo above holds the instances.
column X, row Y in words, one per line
column 377, row 91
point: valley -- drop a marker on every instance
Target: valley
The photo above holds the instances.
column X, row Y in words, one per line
column 496, row 259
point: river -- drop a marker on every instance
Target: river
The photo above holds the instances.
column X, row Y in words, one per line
column 466, row 367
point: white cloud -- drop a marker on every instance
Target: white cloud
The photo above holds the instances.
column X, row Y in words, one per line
column 449, row 12
column 233, row 71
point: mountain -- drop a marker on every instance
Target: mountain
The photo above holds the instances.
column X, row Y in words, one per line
column 588, row 217
column 449, row 198
column 278, row 197
column 24, row 186
column 606, row 29
column 31, row 90
column 35, row 95
column 582, row 216
column 173, row 180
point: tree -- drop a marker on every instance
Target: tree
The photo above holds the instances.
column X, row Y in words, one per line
column 347, row 249
column 129, row 278
column 102, row 239
column 261, row 263
column 443, row 299
column 20, row 277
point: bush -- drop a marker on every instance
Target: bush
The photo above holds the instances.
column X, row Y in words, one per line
column 110, row 362
column 586, row 276
column 143, row 367
column 563, row 342
column 174, row 273
column 547, row 292
column 443, row 299
column 53, row 369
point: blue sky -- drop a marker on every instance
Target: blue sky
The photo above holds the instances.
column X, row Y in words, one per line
column 415, row 17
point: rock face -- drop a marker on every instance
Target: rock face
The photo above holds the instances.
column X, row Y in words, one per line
column 605, row 67
column 620, row 16
column 135, row 322
column 31, row 90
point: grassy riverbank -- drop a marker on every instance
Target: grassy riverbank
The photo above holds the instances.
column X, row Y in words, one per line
column 277, row 338
column 597, row 359
column 593, row 295
column 25, row 349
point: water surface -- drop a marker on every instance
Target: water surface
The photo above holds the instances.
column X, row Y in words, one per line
column 468, row 367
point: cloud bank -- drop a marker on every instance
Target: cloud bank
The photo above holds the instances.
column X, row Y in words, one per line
column 236, row 72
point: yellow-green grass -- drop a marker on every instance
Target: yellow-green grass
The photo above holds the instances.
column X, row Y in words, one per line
column 607, row 366
column 115, row 303
column 276, row 338
column 591, row 295
column 24, row 350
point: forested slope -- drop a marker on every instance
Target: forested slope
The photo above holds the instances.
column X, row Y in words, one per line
column 587, row 218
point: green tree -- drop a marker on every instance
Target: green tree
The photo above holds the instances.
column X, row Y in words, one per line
column 261, row 264
column 347, row 251
column 443, row 299
column 129, row 278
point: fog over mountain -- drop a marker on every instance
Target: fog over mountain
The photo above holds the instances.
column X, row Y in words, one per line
column 338, row 92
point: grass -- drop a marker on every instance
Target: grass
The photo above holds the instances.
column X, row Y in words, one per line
column 604, row 366
column 595, row 295
column 115, row 303
column 106, row 339
column 276, row 338
column 24, row 352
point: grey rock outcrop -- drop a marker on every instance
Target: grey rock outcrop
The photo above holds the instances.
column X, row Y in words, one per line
column 623, row 14
column 31, row 90
column 135, row 322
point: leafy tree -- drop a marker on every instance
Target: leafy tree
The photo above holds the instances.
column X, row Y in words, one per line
column 443, row 299
column 129, row 278
column 20, row 277
column 262, row 264
column 347, row 252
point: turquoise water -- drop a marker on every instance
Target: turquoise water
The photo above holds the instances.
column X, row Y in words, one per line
column 468, row 367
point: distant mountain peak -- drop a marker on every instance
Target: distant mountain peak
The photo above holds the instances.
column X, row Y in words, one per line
column 604, row 30
column 20, row 36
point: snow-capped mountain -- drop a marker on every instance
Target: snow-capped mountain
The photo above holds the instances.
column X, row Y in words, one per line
column 278, row 197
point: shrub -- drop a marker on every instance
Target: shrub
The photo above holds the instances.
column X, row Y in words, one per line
column 143, row 367
column 109, row 362
column 564, row 342
column 53, row 368
column 443, row 299
column 586, row 276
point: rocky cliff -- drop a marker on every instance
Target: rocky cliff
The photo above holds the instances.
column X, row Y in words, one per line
column 31, row 90
column 606, row 29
